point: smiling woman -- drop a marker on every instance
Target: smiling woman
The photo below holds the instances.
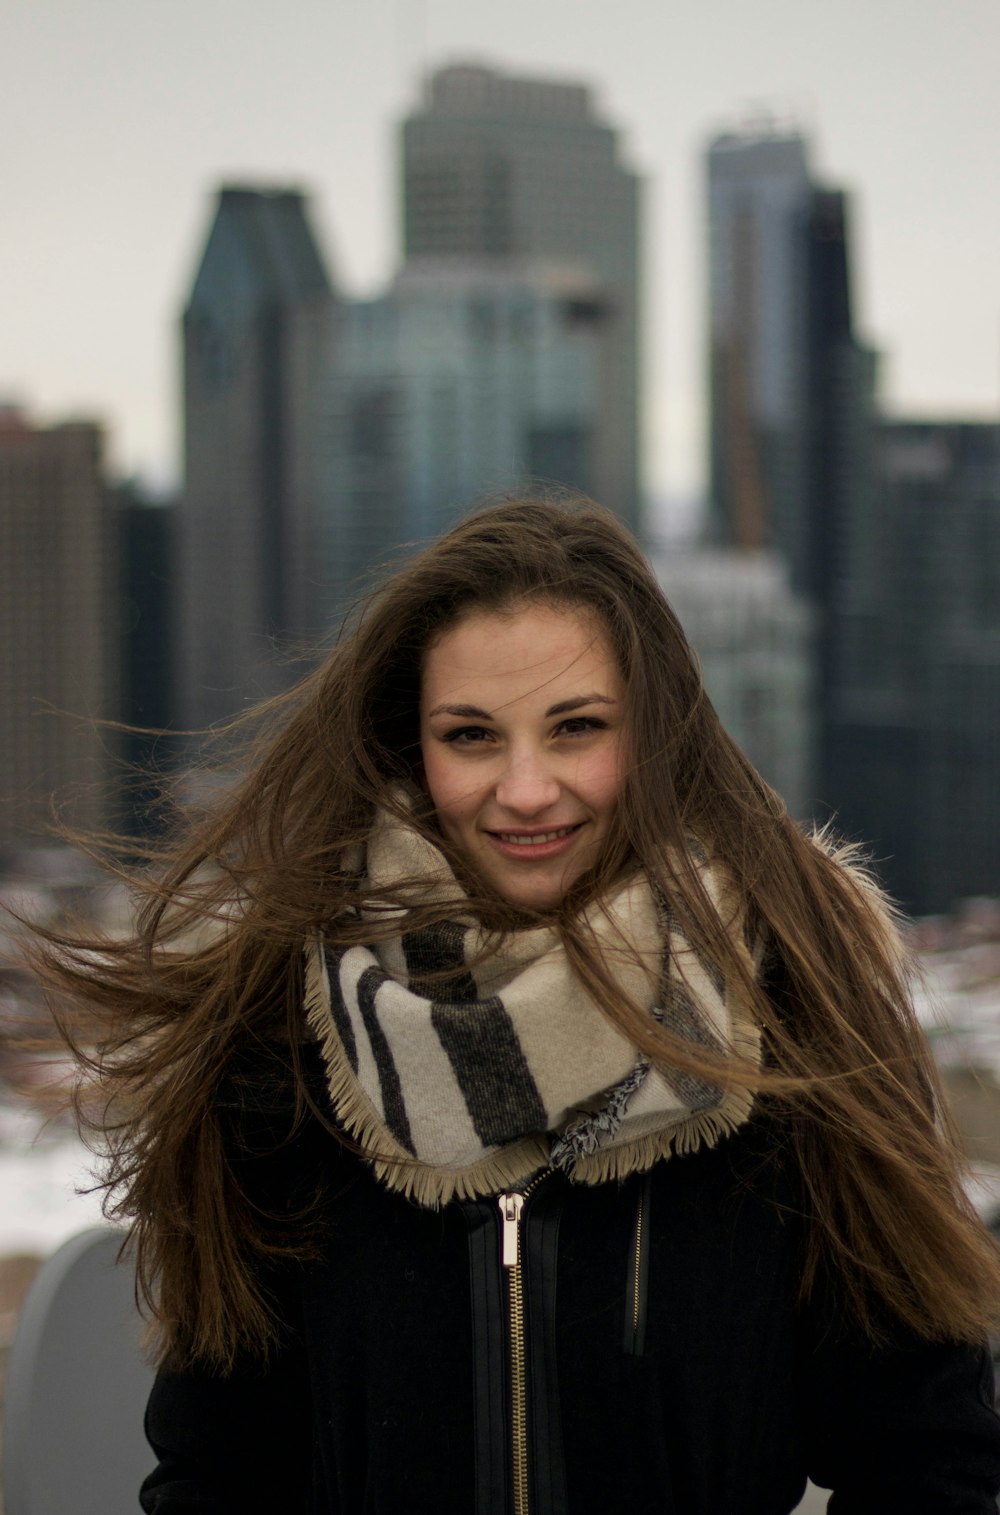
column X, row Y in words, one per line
column 515, row 1109
column 521, row 727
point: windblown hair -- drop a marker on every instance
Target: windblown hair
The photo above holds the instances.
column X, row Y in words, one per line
column 212, row 975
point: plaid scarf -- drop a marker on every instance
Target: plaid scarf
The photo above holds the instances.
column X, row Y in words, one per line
column 462, row 1070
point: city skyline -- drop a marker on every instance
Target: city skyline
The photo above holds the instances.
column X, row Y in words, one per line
column 321, row 431
column 136, row 118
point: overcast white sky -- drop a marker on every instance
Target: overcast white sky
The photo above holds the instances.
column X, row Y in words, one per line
column 119, row 119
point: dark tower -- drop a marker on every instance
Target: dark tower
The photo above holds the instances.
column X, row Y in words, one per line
column 254, row 519
column 792, row 398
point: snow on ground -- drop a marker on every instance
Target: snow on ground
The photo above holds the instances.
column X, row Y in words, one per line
column 958, row 1005
column 40, row 1173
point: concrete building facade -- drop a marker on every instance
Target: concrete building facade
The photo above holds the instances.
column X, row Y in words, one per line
column 58, row 626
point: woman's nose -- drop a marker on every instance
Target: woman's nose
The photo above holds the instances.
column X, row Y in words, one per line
column 527, row 786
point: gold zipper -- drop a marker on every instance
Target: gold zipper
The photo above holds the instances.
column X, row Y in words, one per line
column 637, row 1263
column 511, row 1206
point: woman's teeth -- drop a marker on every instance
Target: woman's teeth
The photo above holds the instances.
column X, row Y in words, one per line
column 537, row 839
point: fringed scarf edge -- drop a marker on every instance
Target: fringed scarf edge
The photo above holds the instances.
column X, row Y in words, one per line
column 431, row 1186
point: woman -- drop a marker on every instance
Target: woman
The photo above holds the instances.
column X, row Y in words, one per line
column 515, row 1110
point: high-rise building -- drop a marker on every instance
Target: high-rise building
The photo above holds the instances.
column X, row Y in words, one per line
column 147, row 532
column 754, row 640
column 463, row 380
column 916, row 701
column 524, row 171
column 840, row 424
column 255, row 508
column 58, row 634
column 792, row 389
column 759, row 196
column 785, row 367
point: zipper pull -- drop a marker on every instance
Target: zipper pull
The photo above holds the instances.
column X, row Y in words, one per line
column 511, row 1206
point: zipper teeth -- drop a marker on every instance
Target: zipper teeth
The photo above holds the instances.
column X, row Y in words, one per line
column 637, row 1264
column 539, row 1178
column 519, row 1408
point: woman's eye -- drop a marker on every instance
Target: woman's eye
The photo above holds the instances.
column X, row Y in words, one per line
column 581, row 725
column 468, row 735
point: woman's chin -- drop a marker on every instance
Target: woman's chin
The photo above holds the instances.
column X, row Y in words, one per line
column 532, row 884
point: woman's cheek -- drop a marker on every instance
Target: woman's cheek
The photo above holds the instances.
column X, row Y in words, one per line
column 451, row 786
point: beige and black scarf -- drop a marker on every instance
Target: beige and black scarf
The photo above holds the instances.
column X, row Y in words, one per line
column 460, row 1073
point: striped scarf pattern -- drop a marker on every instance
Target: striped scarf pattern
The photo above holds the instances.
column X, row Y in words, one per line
column 460, row 1073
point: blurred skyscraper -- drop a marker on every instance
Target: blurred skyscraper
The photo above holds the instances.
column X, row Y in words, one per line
column 320, row 435
column 464, row 378
column 759, row 192
column 58, row 603
column 755, row 641
column 791, row 386
column 891, row 530
column 522, row 172
column 917, row 698
column 255, row 509
column 792, row 390
column 147, row 534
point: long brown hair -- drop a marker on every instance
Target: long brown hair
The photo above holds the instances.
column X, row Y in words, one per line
column 213, row 967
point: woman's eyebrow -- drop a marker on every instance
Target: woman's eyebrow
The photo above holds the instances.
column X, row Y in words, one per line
column 565, row 706
column 473, row 712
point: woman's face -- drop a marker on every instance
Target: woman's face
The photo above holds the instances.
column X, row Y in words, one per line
column 522, row 736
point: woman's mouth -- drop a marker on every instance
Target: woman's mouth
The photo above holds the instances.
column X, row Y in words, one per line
column 535, row 844
column 533, row 839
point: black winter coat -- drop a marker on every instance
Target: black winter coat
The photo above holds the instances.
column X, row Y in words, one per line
column 667, row 1369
